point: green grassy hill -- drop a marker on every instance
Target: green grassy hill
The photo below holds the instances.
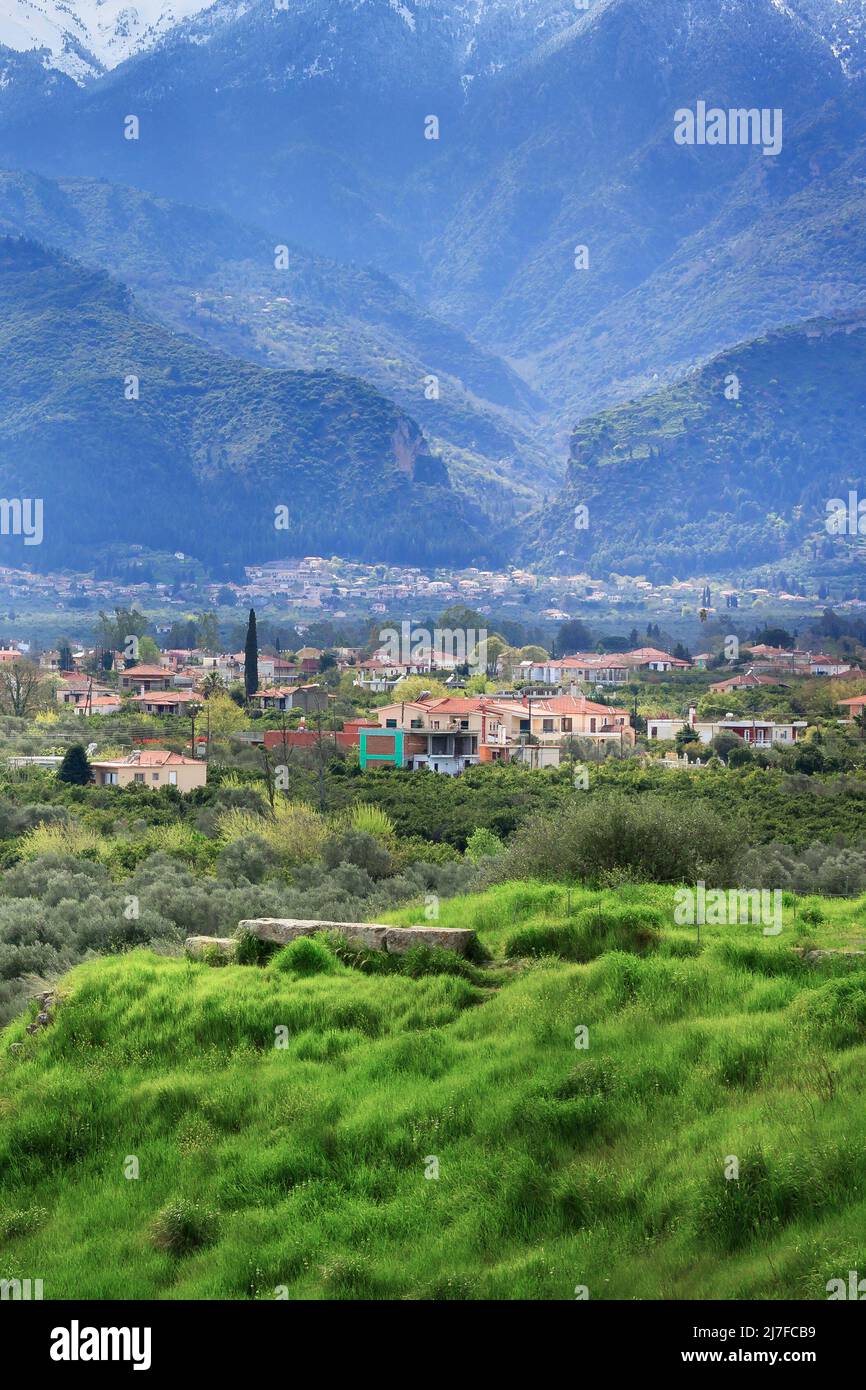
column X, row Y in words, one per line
column 302, row 1168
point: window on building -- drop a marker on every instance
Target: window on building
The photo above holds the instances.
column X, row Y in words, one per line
column 172, row 778
column 154, row 777
column 566, row 726
column 390, row 723
column 547, row 726
column 138, row 777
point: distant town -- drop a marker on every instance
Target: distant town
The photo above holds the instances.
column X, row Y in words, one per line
column 316, row 589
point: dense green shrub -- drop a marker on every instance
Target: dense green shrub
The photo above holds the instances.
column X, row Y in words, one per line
column 483, row 844
column 646, row 838
column 413, row 849
column 251, row 950
column 250, row 858
column 819, row 868
column 730, row 1213
column 362, row 849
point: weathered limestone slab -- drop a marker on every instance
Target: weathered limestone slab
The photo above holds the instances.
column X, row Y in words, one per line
column 281, row 930
column 401, row 939
column 198, row 946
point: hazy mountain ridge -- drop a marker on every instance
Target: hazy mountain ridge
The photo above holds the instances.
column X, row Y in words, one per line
column 604, row 172
column 313, row 115
column 731, row 467
column 209, row 448
column 204, row 274
column 315, row 118
column 555, row 131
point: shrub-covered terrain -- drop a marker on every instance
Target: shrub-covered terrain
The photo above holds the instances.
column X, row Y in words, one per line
column 306, row 1128
column 99, row 870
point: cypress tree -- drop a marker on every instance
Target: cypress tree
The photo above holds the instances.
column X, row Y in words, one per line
column 251, row 657
column 75, row 767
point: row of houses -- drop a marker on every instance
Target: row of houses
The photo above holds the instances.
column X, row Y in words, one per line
column 757, row 732
column 590, row 668
column 449, row 734
column 380, row 673
column 775, row 660
column 760, row 733
column 151, row 690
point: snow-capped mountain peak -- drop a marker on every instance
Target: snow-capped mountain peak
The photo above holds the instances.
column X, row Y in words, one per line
column 84, row 38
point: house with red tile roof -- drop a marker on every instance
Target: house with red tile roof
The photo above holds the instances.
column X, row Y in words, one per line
column 166, row 702
column 142, row 679
column 152, row 768
column 449, row 734
column 747, row 680
column 651, row 659
column 853, row 707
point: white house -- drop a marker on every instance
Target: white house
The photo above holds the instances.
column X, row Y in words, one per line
column 664, row 726
column 760, row 733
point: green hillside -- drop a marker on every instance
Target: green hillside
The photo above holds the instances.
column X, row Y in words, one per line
column 309, row 1170
column 206, row 275
column 211, row 447
column 731, row 467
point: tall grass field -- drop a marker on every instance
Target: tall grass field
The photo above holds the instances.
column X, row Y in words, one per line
column 604, row 1103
